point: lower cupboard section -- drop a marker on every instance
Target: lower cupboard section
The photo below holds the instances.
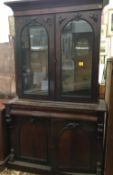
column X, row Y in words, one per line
column 56, row 146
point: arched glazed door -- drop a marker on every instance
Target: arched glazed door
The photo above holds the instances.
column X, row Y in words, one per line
column 76, row 55
column 35, row 38
column 34, row 45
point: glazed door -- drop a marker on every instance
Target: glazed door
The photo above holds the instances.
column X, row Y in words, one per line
column 35, row 64
column 57, row 56
column 77, row 56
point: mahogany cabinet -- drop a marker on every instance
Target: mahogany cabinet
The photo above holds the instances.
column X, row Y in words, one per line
column 57, row 123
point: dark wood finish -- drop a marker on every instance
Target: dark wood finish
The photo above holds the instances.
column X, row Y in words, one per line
column 33, row 4
column 3, row 138
column 53, row 134
column 47, row 21
column 56, row 141
column 75, row 144
column 48, row 13
column 58, row 106
column 61, row 20
column 32, row 142
column 109, row 101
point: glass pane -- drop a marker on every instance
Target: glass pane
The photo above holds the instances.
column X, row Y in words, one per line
column 76, row 44
column 35, row 60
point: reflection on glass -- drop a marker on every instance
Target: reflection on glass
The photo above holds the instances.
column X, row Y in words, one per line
column 76, row 44
column 35, row 60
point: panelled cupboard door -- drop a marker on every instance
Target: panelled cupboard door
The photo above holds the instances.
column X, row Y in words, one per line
column 75, row 145
column 35, row 65
column 77, row 55
column 30, row 139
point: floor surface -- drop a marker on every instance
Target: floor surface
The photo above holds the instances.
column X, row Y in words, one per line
column 13, row 172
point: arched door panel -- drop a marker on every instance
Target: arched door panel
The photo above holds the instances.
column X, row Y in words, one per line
column 35, row 57
column 77, row 56
column 75, row 146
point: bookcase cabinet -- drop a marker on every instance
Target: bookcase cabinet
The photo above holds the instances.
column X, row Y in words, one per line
column 57, row 123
